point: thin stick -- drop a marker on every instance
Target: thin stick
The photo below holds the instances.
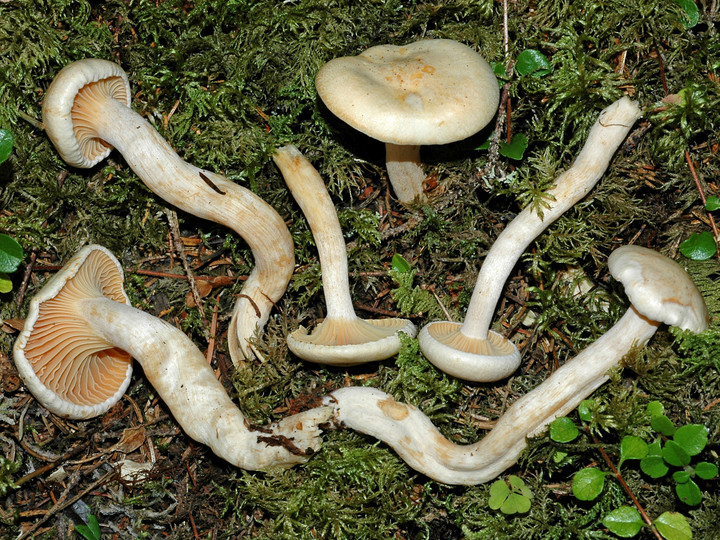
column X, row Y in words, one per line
column 627, row 489
column 177, row 243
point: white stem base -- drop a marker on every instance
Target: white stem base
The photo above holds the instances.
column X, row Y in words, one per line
column 179, row 373
column 413, row 436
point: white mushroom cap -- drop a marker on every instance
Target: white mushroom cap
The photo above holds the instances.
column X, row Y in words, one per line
column 71, row 370
column 434, row 91
column 64, row 119
column 349, row 342
column 459, row 355
column 659, row 288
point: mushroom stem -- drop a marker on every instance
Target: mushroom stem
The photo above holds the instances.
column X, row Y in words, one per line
column 179, row 373
column 74, row 354
column 405, row 171
column 471, row 350
column 86, row 111
column 604, row 138
column 413, row 436
column 659, row 289
column 309, row 191
column 342, row 338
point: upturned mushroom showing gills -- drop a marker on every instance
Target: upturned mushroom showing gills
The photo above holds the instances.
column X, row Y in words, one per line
column 435, row 91
column 342, row 338
column 470, row 350
column 659, row 290
column 86, row 112
column 76, row 348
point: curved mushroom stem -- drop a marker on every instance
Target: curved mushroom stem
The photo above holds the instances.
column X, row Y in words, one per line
column 342, row 338
column 179, row 373
column 206, row 195
column 474, row 334
column 405, row 171
column 413, row 436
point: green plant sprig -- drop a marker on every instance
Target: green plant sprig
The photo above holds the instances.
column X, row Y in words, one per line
column 674, row 447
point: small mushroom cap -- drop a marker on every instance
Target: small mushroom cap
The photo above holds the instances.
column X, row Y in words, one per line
column 472, row 359
column 434, row 91
column 68, row 121
column 69, row 369
column 343, row 342
column 659, row 288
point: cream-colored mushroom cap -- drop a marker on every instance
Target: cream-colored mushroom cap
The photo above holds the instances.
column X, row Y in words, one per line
column 659, row 288
column 434, row 91
column 69, row 121
column 69, row 368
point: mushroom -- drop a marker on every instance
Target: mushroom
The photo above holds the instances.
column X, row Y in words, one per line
column 86, row 112
column 434, row 91
column 342, row 338
column 75, row 355
column 470, row 350
column 659, row 289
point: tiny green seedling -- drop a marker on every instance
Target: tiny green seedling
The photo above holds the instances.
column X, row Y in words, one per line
column 675, row 447
column 91, row 531
column 701, row 246
column 410, row 299
column 11, row 252
column 511, row 497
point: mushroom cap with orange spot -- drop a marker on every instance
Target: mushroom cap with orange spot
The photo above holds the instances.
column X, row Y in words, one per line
column 434, row 91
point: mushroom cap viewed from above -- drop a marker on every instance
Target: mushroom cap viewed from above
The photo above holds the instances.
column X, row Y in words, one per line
column 659, row 288
column 87, row 113
column 434, row 91
column 64, row 363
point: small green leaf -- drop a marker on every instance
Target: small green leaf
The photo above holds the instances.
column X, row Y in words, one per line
column 11, row 254
column 399, row 264
column 673, row 526
column 559, row 455
column 632, row 447
column 654, row 466
column 689, row 493
column 692, row 438
column 515, row 149
column 518, row 485
column 515, row 504
column 699, row 246
column 563, row 430
column 662, row 424
column 499, row 492
column 588, row 483
column 712, row 203
column 706, row 470
column 655, row 408
column 5, row 283
column 532, row 62
column 692, row 14
column 675, row 455
column 498, row 69
column 681, row 476
column 585, row 409
column 91, row 531
column 624, row 521
column 6, row 144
